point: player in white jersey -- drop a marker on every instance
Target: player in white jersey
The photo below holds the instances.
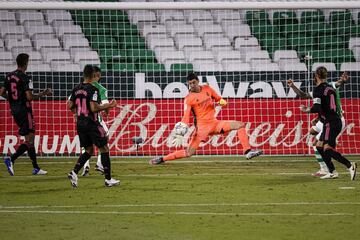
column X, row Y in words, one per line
column 317, row 126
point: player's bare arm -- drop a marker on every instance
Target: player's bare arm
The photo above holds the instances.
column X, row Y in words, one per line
column 342, row 80
column 298, row 91
column 30, row 96
column 95, row 107
column 3, row 92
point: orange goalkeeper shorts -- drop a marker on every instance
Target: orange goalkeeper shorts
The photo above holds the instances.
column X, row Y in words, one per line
column 204, row 130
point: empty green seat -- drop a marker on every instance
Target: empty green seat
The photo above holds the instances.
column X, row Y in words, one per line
column 257, row 17
column 99, row 42
column 85, row 15
column 340, row 16
column 331, row 42
column 152, row 67
column 297, row 40
column 123, row 29
column 355, row 31
column 132, row 42
column 263, row 30
column 113, row 16
column 181, row 67
column 92, row 29
column 319, row 28
column 141, row 55
column 113, row 55
column 284, row 17
column 124, row 67
column 312, row 16
column 293, row 29
column 333, row 55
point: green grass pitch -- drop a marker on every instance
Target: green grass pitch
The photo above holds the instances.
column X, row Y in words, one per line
column 199, row 198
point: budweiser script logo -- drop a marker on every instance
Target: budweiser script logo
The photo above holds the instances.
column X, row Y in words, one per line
column 275, row 134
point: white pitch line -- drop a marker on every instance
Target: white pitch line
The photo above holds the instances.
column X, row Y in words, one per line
column 181, row 205
column 179, row 213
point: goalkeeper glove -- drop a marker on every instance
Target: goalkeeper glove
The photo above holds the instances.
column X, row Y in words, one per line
column 222, row 102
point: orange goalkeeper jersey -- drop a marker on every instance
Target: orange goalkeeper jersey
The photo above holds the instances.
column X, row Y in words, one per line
column 201, row 104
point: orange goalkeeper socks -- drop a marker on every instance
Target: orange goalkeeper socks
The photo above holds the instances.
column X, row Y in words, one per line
column 244, row 139
column 175, row 155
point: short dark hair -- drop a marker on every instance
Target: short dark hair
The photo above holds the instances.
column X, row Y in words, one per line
column 321, row 72
column 89, row 71
column 22, row 59
column 192, row 76
column 96, row 69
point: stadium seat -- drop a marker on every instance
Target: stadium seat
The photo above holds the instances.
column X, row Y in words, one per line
column 293, row 67
column 65, row 67
column 237, row 67
column 201, row 66
column 112, row 16
column 132, row 41
column 124, row 67
column 141, row 16
column 189, row 41
column 11, row 30
column 257, row 17
column 29, row 15
column 10, row 43
column 153, row 29
column 6, row 15
column 233, row 31
column 354, row 42
column 228, row 55
column 99, row 42
column 57, row 55
column 170, row 55
column 208, row 29
column 41, row 67
column 257, row 57
column 180, row 29
column 319, row 29
column 161, row 43
column 213, row 43
column 350, row 66
column 141, row 55
column 170, row 62
column 265, row 67
column 54, row 15
column 280, row 18
column 69, row 43
column 1, row 45
column 285, row 55
column 89, row 55
column 179, row 67
column 123, row 29
column 356, row 51
column 199, row 55
column 328, row 65
column 152, row 67
column 247, row 44
column 6, row 57
column 310, row 16
column 297, row 29
column 68, row 29
column 198, row 15
column 167, row 15
column 5, row 68
column 220, row 15
column 331, row 42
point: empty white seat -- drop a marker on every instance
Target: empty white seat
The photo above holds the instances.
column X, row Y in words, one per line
column 228, row 55
column 293, row 67
column 257, row 57
column 193, row 15
column 207, row 67
column 199, row 55
column 65, row 67
column 161, row 42
column 237, row 67
column 1, row 44
column 167, row 15
column 6, row 15
column 23, row 16
column 68, row 29
column 57, row 23
column 34, row 56
column 52, row 15
column 75, row 42
column 153, row 29
column 213, row 29
column 180, row 29
column 10, row 43
column 328, row 65
column 170, row 55
column 57, row 55
column 11, row 30
column 6, row 68
column 85, row 62
column 356, row 51
column 232, row 31
column 8, row 23
column 354, row 42
column 6, row 57
column 246, row 42
column 188, row 41
column 89, row 55
column 285, row 55
column 220, row 15
column 41, row 67
column 350, row 66
column 74, row 50
column 265, row 67
column 136, row 16
column 46, row 43
column 42, row 29
column 355, row 14
column 217, row 42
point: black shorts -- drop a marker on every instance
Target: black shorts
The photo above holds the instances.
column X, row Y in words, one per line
column 330, row 132
column 24, row 119
column 90, row 134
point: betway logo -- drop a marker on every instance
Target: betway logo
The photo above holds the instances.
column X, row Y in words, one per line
column 259, row 89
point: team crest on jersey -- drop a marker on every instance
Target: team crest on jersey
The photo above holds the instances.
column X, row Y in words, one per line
column 95, row 97
column 31, row 85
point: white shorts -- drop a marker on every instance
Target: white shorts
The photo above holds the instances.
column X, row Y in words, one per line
column 319, row 127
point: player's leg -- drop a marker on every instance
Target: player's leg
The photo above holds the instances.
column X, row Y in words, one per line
column 85, row 156
column 333, row 129
column 86, row 168
column 226, row 126
column 99, row 166
column 29, row 140
column 316, row 130
column 201, row 133
column 101, row 141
